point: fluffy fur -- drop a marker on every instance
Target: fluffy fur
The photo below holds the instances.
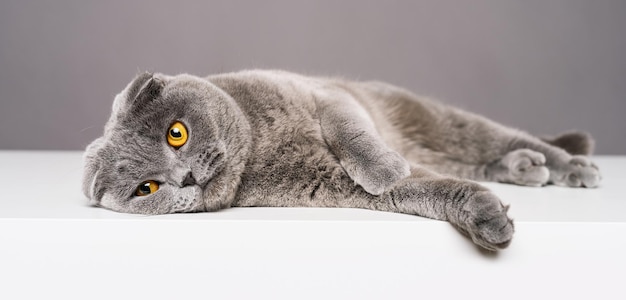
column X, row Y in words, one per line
column 273, row 138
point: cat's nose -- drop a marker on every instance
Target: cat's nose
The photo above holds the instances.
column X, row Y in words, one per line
column 189, row 180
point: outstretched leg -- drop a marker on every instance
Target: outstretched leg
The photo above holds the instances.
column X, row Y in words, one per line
column 462, row 144
column 468, row 206
column 451, row 141
column 527, row 162
column 565, row 169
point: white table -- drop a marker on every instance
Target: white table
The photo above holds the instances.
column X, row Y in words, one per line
column 569, row 244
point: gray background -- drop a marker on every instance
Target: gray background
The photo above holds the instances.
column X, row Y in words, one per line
column 545, row 66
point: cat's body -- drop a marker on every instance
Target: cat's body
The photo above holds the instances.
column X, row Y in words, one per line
column 273, row 138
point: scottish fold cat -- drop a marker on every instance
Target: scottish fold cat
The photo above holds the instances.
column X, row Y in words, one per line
column 176, row 144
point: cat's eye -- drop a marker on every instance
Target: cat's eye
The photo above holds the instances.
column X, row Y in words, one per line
column 177, row 135
column 147, row 188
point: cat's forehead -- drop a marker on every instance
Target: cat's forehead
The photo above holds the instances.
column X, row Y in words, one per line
column 128, row 150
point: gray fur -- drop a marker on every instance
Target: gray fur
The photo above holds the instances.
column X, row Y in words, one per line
column 273, row 138
column 575, row 142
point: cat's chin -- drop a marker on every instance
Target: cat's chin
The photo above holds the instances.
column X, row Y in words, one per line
column 198, row 205
column 197, row 208
column 187, row 199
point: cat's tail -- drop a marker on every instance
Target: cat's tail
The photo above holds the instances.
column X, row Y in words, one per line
column 574, row 142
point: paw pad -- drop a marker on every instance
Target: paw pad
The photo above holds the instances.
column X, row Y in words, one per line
column 488, row 223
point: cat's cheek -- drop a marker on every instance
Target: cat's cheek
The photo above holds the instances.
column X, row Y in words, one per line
column 155, row 204
column 158, row 203
column 146, row 205
column 110, row 202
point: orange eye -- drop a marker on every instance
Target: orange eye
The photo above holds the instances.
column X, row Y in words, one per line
column 177, row 135
column 147, row 188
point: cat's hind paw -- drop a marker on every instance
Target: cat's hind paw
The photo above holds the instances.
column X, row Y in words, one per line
column 525, row 167
column 579, row 171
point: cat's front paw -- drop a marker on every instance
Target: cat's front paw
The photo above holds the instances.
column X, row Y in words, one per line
column 378, row 174
column 579, row 171
column 487, row 221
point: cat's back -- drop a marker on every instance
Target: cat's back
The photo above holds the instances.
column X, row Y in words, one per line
column 277, row 104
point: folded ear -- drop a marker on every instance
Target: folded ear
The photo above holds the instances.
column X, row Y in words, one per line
column 144, row 88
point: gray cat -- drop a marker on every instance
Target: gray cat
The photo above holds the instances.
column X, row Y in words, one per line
column 181, row 143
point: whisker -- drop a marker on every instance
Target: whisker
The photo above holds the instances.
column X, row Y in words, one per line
column 86, row 128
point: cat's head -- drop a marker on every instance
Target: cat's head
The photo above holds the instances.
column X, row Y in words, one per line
column 172, row 144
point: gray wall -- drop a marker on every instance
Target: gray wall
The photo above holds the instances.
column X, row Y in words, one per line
column 544, row 66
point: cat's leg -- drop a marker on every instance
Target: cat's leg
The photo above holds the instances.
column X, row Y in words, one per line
column 521, row 166
column 523, row 160
column 463, row 144
column 470, row 146
column 352, row 137
column 565, row 169
column 466, row 145
column 470, row 207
